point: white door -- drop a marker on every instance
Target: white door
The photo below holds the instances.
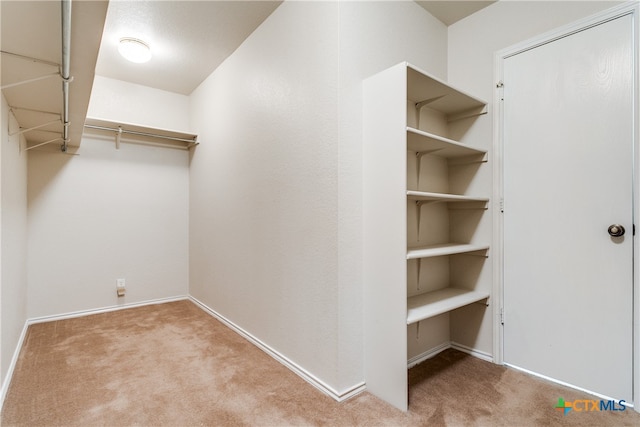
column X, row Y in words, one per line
column 568, row 170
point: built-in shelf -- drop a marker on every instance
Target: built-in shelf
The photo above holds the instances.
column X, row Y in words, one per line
column 442, row 197
column 421, row 141
column 444, row 249
column 130, row 132
column 431, row 304
column 440, row 171
column 438, row 95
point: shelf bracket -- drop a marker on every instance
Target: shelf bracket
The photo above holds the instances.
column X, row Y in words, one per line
column 118, row 136
column 419, row 155
column 474, row 112
column 35, row 79
column 421, row 104
column 484, row 208
column 484, row 159
column 474, row 254
column 21, row 131
column 42, row 143
column 418, row 275
column 419, row 204
column 30, row 58
column 13, row 109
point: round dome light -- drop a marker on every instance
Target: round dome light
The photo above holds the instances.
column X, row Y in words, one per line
column 134, row 50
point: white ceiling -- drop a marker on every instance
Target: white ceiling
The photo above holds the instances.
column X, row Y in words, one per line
column 188, row 39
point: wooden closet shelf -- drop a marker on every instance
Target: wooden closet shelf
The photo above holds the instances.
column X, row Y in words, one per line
column 431, row 304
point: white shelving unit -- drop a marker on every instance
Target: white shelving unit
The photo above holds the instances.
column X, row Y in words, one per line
column 423, row 257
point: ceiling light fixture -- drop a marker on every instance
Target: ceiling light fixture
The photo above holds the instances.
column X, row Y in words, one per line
column 135, row 50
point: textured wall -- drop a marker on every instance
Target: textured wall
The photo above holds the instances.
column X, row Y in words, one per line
column 275, row 209
column 264, row 186
column 373, row 37
column 102, row 215
column 132, row 103
column 13, row 234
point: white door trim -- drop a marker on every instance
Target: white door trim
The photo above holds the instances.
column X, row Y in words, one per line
column 633, row 8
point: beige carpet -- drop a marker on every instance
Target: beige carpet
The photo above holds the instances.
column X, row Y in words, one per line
column 173, row 364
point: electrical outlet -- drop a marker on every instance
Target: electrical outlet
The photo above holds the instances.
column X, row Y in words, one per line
column 120, row 287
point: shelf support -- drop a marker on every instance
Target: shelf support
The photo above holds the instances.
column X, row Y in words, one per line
column 485, row 159
column 419, row 155
column 21, row 131
column 474, row 112
column 14, row 109
column 484, row 208
column 35, row 79
column 118, row 136
column 419, row 204
column 30, row 58
column 418, row 275
column 42, row 143
column 474, row 254
column 421, row 104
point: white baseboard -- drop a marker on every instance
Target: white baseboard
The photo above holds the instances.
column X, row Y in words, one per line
column 297, row 369
column 12, row 366
column 416, row 360
column 82, row 313
column 473, row 352
column 562, row 383
column 444, row 346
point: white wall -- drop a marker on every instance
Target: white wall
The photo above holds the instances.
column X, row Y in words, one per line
column 275, row 211
column 373, row 37
column 264, row 190
column 13, row 233
column 125, row 102
column 106, row 214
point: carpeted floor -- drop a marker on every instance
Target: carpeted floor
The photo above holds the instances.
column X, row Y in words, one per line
column 174, row 365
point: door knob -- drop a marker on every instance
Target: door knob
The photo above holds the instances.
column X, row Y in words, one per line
column 616, row 230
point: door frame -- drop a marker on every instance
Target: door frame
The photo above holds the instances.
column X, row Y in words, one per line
column 629, row 8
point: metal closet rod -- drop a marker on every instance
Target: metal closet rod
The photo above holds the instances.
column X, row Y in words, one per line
column 65, row 70
column 133, row 132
